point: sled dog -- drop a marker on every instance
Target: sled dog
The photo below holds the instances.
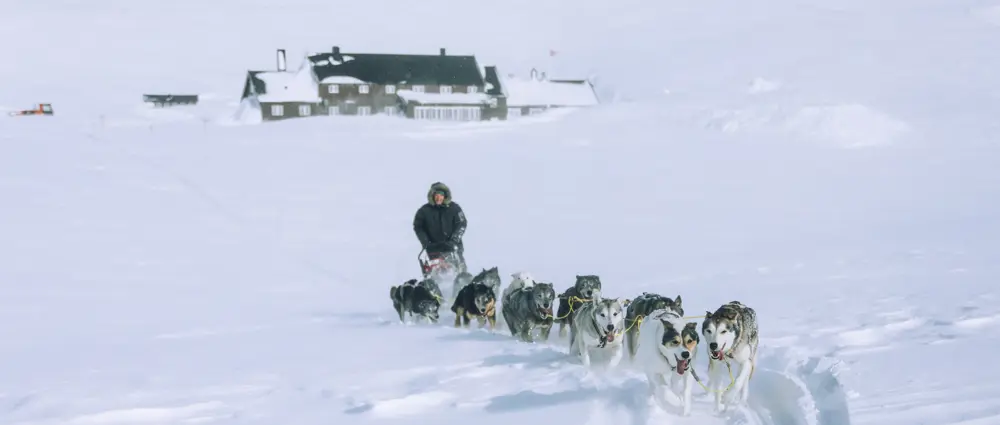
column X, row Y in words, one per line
column 586, row 288
column 477, row 300
column 731, row 333
column 640, row 308
column 665, row 351
column 598, row 324
column 417, row 298
column 526, row 307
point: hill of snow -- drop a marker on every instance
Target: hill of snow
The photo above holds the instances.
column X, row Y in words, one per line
column 833, row 167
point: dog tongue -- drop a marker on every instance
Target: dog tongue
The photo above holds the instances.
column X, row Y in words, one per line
column 682, row 366
column 611, row 336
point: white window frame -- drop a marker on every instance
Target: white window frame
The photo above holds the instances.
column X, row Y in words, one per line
column 305, row 110
column 364, row 111
column 390, row 89
column 418, row 88
column 390, row 110
column 277, row 110
column 363, row 89
column 333, row 110
column 333, row 88
column 445, row 90
column 472, row 89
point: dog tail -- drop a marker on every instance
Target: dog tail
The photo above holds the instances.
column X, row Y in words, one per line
column 394, row 293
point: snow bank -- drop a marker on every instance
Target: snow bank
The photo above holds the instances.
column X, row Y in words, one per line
column 849, row 125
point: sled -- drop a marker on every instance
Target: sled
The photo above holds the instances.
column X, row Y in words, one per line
column 42, row 109
column 435, row 265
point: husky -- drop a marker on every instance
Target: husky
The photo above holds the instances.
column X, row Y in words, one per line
column 421, row 298
column 731, row 333
column 598, row 324
column 526, row 307
column 585, row 289
column 491, row 278
column 477, row 300
column 665, row 351
column 640, row 308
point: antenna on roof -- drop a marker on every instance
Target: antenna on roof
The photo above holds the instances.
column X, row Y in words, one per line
column 442, row 52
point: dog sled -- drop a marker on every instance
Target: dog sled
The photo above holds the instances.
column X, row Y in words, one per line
column 436, row 265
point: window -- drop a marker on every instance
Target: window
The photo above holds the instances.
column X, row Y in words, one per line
column 305, row 110
column 445, row 89
column 390, row 89
column 473, row 89
column 493, row 102
column 277, row 110
column 460, row 113
column 333, row 110
column 390, row 110
column 418, row 89
column 333, row 89
column 514, row 112
column 364, row 110
column 363, row 89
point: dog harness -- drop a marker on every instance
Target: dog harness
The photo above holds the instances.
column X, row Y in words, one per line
column 606, row 338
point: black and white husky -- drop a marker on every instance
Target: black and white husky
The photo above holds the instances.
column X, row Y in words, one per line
column 731, row 334
column 665, row 352
column 598, row 324
column 422, row 299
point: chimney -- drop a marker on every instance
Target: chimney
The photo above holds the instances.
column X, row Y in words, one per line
column 336, row 54
column 281, row 60
column 336, row 50
column 442, row 51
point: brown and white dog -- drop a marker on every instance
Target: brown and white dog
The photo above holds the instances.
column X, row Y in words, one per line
column 731, row 334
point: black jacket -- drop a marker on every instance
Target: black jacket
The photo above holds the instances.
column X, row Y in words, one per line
column 440, row 227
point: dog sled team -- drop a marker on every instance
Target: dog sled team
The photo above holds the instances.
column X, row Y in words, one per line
column 660, row 340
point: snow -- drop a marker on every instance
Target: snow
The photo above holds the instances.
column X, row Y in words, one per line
column 168, row 267
column 339, row 79
column 529, row 92
column 289, row 86
column 443, row 98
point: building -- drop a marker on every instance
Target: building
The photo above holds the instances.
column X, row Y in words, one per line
column 434, row 87
column 537, row 94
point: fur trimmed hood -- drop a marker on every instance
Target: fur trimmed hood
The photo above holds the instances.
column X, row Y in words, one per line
column 438, row 186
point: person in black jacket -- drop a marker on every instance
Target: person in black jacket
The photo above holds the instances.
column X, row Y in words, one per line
column 440, row 224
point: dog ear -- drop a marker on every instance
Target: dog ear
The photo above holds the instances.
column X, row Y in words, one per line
column 708, row 314
column 678, row 301
column 626, row 303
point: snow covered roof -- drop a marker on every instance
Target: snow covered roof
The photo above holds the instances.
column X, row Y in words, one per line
column 341, row 79
column 527, row 92
column 292, row 86
column 443, row 98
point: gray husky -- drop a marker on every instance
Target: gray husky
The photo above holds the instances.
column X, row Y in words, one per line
column 585, row 289
column 731, row 333
column 640, row 308
column 527, row 307
column 598, row 324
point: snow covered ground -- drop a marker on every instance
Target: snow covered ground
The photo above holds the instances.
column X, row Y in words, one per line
column 833, row 167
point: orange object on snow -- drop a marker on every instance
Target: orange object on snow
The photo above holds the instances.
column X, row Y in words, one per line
column 42, row 109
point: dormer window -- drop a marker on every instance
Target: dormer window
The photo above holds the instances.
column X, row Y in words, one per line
column 445, row 89
column 473, row 89
column 418, row 89
column 333, row 89
column 363, row 89
column 390, row 89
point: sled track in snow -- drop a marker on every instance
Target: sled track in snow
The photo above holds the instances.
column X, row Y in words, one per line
column 787, row 388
